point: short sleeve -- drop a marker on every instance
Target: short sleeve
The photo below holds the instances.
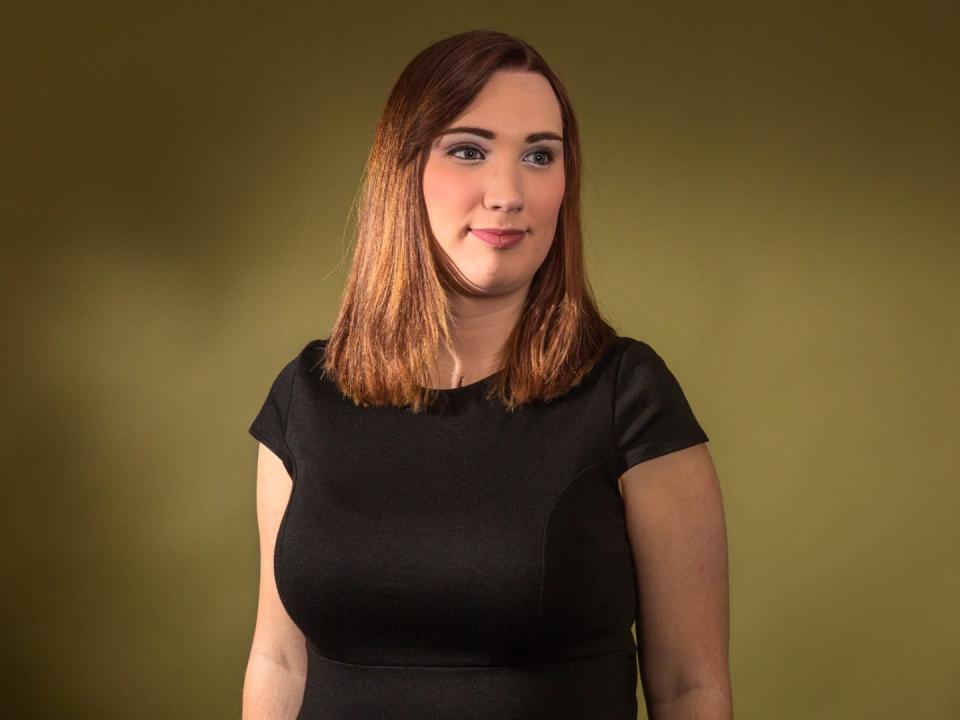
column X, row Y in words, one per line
column 651, row 414
column 270, row 424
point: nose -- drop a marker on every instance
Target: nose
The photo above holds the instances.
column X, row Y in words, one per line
column 504, row 189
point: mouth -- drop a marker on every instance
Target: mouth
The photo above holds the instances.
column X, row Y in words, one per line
column 499, row 238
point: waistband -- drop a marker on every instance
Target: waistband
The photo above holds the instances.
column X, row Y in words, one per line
column 601, row 687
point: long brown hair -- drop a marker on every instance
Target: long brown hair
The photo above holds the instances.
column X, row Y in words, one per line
column 395, row 309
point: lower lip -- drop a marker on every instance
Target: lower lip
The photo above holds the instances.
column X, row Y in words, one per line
column 501, row 241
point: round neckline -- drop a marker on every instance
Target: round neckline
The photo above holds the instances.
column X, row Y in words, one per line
column 466, row 389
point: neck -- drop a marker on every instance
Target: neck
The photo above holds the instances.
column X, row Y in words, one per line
column 479, row 334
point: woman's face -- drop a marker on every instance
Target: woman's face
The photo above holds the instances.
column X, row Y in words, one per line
column 504, row 174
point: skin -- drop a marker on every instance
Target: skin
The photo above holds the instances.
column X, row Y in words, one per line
column 673, row 507
column 472, row 181
column 675, row 523
column 276, row 671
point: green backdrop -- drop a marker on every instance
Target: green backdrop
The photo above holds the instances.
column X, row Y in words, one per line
column 770, row 200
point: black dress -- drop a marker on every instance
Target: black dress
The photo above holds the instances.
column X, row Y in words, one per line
column 467, row 562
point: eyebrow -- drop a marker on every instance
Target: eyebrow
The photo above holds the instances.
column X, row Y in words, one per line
column 490, row 135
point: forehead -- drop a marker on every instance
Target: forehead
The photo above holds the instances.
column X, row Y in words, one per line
column 513, row 104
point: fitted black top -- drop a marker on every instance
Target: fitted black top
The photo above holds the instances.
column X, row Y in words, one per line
column 467, row 562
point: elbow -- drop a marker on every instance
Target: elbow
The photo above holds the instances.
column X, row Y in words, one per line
column 710, row 701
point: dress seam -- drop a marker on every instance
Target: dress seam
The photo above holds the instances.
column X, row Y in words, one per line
column 473, row 667
column 546, row 524
column 614, row 437
column 281, row 529
column 286, row 414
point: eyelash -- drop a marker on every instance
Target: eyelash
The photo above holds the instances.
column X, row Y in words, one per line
column 542, row 151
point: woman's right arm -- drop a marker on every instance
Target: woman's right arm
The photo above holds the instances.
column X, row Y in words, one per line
column 277, row 668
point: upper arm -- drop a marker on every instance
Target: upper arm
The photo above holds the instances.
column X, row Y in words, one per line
column 275, row 634
column 675, row 522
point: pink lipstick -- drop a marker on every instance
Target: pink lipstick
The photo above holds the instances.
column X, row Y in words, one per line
column 499, row 238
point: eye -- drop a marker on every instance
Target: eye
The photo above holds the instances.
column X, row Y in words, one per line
column 543, row 151
column 473, row 149
column 464, row 148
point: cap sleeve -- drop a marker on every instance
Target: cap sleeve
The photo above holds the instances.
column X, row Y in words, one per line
column 651, row 414
column 270, row 424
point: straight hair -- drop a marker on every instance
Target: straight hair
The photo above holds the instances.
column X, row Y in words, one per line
column 395, row 309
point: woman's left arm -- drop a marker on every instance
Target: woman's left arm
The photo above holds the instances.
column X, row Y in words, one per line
column 677, row 531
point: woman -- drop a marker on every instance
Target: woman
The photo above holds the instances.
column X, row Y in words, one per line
column 471, row 489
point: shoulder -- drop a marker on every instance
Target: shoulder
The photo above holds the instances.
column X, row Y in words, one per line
column 307, row 358
column 642, row 371
column 312, row 355
column 636, row 356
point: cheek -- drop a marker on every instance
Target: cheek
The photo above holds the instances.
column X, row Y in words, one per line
column 547, row 212
column 443, row 192
column 549, row 198
column 557, row 189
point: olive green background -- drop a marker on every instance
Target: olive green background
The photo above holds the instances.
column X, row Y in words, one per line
column 770, row 200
